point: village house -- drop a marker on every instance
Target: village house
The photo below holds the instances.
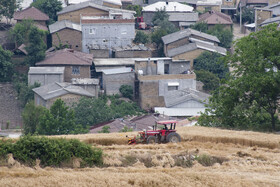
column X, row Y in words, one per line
column 230, row 7
column 66, row 33
column 212, row 18
column 77, row 64
column 95, row 9
column 207, row 5
column 107, row 33
column 34, row 14
column 45, row 75
column 46, row 95
column 188, row 44
column 90, row 85
column 108, row 3
column 183, row 20
column 170, row 7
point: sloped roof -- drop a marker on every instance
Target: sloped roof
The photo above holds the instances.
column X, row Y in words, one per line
column 209, row 2
column 59, row 25
column 31, row 13
column 113, row 61
column 56, row 89
column 257, row 1
column 271, row 20
column 214, row 17
column 117, row 70
column 116, row 2
column 186, row 33
column 193, row 2
column 41, row 27
column 272, row 6
column 66, row 57
column 176, row 97
column 187, row 16
column 168, row 6
column 93, row 4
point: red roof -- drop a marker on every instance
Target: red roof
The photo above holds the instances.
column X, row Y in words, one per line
column 213, row 18
column 66, row 57
column 31, row 13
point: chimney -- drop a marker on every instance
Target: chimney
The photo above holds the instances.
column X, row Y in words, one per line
column 149, row 68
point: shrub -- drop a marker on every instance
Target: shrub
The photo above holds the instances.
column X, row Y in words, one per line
column 210, row 80
column 126, row 129
column 141, row 37
column 126, row 91
column 51, row 151
column 105, row 129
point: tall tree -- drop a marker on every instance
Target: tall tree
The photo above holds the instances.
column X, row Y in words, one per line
column 6, row 66
column 8, row 8
column 253, row 89
column 36, row 47
column 49, row 7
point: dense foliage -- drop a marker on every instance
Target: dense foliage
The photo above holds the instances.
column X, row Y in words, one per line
column 141, row 37
column 50, row 151
column 127, row 91
column 6, row 66
column 212, row 62
column 248, row 15
column 8, row 8
column 91, row 111
column 49, row 7
column 136, row 8
column 210, row 81
column 36, row 47
column 249, row 99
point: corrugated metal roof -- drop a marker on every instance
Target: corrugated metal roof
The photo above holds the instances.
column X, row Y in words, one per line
column 54, row 90
column 212, row 48
column 182, row 49
column 188, row 16
column 186, row 33
column 117, row 71
column 46, row 70
column 168, row 6
column 59, row 25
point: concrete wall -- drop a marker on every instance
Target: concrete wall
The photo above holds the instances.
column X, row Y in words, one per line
column 190, row 104
column 183, row 84
column 74, row 16
column 111, row 5
column 179, row 67
column 111, row 34
column 44, row 79
column 84, row 73
column 72, row 38
column 113, row 82
column 203, row 8
column 100, row 53
column 276, row 10
column 91, row 88
column 133, row 54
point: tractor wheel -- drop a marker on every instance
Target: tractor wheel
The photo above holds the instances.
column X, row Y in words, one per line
column 173, row 138
column 151, row 140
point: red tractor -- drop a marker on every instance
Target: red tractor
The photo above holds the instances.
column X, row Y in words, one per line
column 163, row 131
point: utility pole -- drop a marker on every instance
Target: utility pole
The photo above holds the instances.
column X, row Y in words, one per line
column 240, row 17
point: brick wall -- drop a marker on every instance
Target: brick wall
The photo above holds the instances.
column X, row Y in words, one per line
column 189, row 56
column 75, row 15
column 84, row 73
column 69, row 100
column 68, row 36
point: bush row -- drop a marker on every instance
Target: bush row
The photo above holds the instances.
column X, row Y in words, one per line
column 50, row 151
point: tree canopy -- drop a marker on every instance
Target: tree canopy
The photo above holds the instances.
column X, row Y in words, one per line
column 49, row 7
column 8, row 8
column 141, row 37
column 250, row 97
column 6, row 66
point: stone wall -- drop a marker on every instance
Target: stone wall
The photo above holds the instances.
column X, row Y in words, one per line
column 10, row 109
column 84, row 73
column 72, row 38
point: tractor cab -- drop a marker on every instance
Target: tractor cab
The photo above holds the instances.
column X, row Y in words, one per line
column 165, row 125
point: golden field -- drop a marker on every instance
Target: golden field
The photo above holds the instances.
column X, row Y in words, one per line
column 249, row 159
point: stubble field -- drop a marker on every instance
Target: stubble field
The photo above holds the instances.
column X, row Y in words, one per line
column 205, row 157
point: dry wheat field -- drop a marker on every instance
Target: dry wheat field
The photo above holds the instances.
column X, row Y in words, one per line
column 218, row 158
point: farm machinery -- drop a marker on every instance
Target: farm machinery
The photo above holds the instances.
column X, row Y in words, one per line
column 163, row 132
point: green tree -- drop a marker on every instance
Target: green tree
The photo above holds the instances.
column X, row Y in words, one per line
column 161, row 15
column 49, row 7
column 213, row 63
column 6, row 66
column 126, row 91
column 248, row 15
column 26, row 93
column 250, row 96
column 136, row 8
column 31, row 115
column 105, row 129
column 224, row 35
column 200, row 26
column 210, row 80
column 36, row 47
column 60, row 119
column 141, row 37
column 8, row 8
column 126, row 129
column 91, row 111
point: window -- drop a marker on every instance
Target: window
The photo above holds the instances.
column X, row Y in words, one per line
column 75, row 70
column 124, row 32
column 173, row 86
column 228, row 0
column 166, row 68
column 92, row 31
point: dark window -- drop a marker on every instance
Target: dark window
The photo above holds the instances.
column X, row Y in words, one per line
column 172, row 88
column 166, row 68
column 75, row 70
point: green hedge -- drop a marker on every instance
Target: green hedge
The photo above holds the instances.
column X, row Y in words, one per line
column 51, row 151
